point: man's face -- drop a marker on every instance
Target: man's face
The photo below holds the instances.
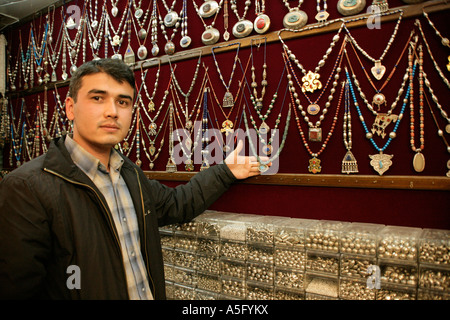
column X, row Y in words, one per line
column 102, row 114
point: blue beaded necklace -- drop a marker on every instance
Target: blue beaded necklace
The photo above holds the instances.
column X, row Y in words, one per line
column 381, row 162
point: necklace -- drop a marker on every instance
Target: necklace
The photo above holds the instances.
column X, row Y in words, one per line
column 114, row 9
column 382, row 120
column 419, row 158
column 171, row 165
column 188, row 93
column 295, row 18
column 205, row 138
column 243, row 27
column 310, row 79
column 209, row 8
column 315, row 131
column 378, row 69
column 128, row 57
column 379, row 98
column 264, row 75
column 154, row 25
column 381, row 162
column 185, row 39
column 226, row 34
column 436, row 66
column 171, row 19
column 349, row 164
column 262, row 21
column 228, row 100
column 322, row 14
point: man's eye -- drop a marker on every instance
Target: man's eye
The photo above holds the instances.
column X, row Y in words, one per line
column 96, row 98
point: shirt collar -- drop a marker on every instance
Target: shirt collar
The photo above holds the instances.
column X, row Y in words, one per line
column 89, row 163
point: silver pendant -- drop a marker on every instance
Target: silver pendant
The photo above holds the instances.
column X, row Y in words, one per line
column 73, row 68
column 94, row 24
column 381, row 162
column 263, row 128
column 169, row 48
column 142, row 34
column 349, row 164
column 138, row 13
column 185, row 41
column 350, row 7
column 295, row 19
column 114, row 11
column 378, row 70
column 64, row 75
column 155, row 50
column 171, row 19
column 210, row 36
column 129, row 55
column 381, row 122
column 54, row 78
column 315, row 134
column 228, row 101
column 261, row 23
column 208, row 9
column 242, row 28
column 313, row 109
column 419, row 162
column 322, row 16
column 142, row 52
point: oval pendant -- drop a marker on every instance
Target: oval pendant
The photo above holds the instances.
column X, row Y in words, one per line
column 419, row 162
column 313, row 109
column 267, row 149
column 138, row 13
column 94, row 24
column 142, row 34
column 73, row 68
column 142, row 52
column 155, row 50
column 171, row 19
column 350, row 7
column 295, row 19
column 447, row 128
column 379, row 99
column 114, row 11
column 208, row 9
column 242, row 28
column 185, row 41
column 262, row 23
column 210, row 36
column 169, row 48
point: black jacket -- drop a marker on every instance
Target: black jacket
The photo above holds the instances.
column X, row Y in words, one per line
column 53, row 216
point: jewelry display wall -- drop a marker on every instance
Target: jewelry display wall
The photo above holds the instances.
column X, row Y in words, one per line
column 251, row 82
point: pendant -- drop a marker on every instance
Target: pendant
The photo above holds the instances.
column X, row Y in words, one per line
column 311, row 82
column 419, row 162
column 263, row 167
column 267, row 149
column 54, row 78
column 350, row 7
column 242, row 28
column 378, row 70
column 226, row 35
column 313, row 109
column 189, row 165
column 152, row 149
column 315, row 134
column 314, row 165
column 205, row 165
column 381, row 162
column 152, row 128
column 263, row 128
column 151, row 165
column 447, row 128
column 227, row 127
column 210, row 36
column 261, row 23
column 171, row 166
column 155, row 50
column 381, row 122
column 171, row 19
column 94, row 25
column 117, row 56
column 188, row 124
column 295, row 19
column 64, row 76
column 378, row 99
column 142, row 34
column 185, row 41
column 73, row 68
column 114, row 11
column 208, row 9
column 116, row 41
column 138, row 162
column 128, row 58
column 125, row 146
column 151, row 106
column 169, row 48
column 138, row 13
column 349, row 164
column 448, row 167
column 228, row 101
column 322, row 16
column 142, row 52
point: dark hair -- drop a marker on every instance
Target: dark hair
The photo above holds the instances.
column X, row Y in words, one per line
column 116, row 68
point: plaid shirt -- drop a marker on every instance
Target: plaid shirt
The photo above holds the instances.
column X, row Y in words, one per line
column 118, row 197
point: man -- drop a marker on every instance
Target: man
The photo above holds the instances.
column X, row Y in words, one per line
column 81, row 222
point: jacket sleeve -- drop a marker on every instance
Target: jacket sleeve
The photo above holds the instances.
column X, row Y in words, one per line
column 184, row 202
column 24, row 239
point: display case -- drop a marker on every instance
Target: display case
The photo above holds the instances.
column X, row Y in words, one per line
column 360, row 239
column 399, row 243
column 324, row 235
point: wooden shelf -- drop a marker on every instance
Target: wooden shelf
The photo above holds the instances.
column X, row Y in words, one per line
column 327, row 180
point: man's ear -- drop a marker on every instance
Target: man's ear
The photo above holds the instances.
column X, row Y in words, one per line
column 69, row 108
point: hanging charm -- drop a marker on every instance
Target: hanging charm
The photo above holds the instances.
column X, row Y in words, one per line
column 322, row 14
column 313, row 109
column 381, row 5
column 378, row 70
column 315, row 134
column 295, row 19
column 210, row 36
column 378, row 100
column 169, row 48
column 261, row 23
column 350, row 7
column 314, row 165
column 128, row 58
column 114, row 11
column 208, row 9
column 242, row 28
column 419, row 162
column 311, row 82
column 228, row 101
column 381, row 122
column 349, row 164
column 142, row 52
column 381, row 162
column 189, row 165
column 263, row 128
column 227, row 127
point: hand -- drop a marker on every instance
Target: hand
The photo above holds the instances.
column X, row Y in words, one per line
column 243, row 167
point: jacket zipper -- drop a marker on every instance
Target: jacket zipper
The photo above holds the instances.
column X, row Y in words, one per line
column 104, row 207
column 145, row 231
